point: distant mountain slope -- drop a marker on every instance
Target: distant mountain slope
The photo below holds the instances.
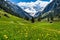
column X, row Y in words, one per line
column 4, row 16
column 51, row 8
column 14, row 9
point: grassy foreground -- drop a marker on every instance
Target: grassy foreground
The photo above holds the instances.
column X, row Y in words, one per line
column 14, row 28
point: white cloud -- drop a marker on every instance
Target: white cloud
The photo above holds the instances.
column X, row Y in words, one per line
column 29, row 6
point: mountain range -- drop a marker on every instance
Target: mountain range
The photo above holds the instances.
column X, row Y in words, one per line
column 33, row 7
column 18, row 11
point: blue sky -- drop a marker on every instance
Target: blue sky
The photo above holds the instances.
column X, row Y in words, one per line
column 16, row 1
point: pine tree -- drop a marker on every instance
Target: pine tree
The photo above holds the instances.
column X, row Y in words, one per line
column 32, row 20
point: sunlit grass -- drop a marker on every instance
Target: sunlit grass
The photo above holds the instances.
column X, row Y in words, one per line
column 15, row 28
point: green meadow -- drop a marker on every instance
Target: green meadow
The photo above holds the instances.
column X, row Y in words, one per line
column 14, row 28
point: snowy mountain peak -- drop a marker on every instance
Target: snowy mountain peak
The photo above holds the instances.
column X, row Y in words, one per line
column 33, row 7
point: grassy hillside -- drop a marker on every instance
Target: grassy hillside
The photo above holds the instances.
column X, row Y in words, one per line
column 14, row 28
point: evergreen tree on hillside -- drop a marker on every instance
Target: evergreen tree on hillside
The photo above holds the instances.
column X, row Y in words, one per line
column 32, row 20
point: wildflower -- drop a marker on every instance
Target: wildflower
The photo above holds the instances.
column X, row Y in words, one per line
column 6, row 36
column 26, row 34
column 38, row 38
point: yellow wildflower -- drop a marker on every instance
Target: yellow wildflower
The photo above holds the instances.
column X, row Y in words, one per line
column 6, row 36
